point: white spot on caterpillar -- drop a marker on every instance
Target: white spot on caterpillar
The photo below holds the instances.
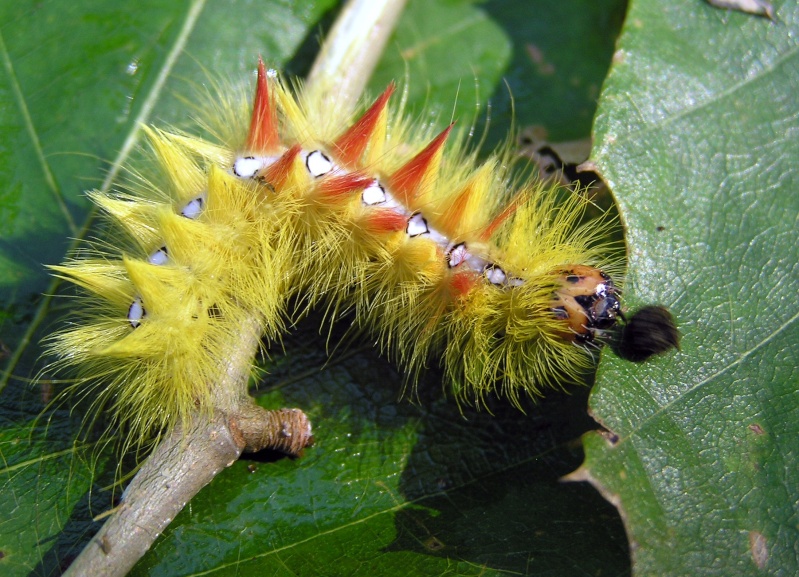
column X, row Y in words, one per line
column 515, row 281
column 136, row 312
column 457, row 255
column 373, row 194
column 159, row 257
column 193, row 209
column 495, row 275
column 438, row 238
column 318, row 164
column 416, row 225
column 248, row 166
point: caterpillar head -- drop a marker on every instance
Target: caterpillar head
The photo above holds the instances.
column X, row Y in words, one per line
column 588, row 301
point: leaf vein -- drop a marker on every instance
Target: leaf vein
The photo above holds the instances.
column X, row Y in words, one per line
column 30, row 128
column 746, row 354
column 149, row 103
column 684, row 112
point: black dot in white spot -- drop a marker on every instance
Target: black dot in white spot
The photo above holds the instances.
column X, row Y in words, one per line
column 136, row 312
column 416, row 225
column 373, row 194
column 318, row 164
column 457, row 255
column 193, row 209
column 247, row 166
column 495, row 275
column 159, row 257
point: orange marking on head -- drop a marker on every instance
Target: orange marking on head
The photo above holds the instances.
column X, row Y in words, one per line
column 277, row 173
column 341, row 187
column 492, row 226
column 350, row 146
column 263, row 136
column 406, row 183
column 385, row 220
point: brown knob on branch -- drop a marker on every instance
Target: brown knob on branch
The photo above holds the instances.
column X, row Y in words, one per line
column 285, row 430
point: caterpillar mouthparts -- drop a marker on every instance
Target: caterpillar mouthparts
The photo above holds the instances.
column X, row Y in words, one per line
column 436, row 255
column 588, row 301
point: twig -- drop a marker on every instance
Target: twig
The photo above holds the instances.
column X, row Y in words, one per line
column 185, row 461
column 351, row 51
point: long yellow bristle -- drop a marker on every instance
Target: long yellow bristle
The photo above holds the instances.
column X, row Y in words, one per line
column 454, row 264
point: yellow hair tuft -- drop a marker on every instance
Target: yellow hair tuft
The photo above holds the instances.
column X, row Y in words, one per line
column 436, row 254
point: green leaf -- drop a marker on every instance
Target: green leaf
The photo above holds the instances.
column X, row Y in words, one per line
column 392, row 486
column 697, row 135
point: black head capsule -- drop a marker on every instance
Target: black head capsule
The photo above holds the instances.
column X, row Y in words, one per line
column 587, row 301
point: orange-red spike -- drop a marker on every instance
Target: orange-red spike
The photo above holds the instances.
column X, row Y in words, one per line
column 462, row 282
column 263, row 136
column 497, row 221
column 454, row 214
column 385, row 220
column 350, row 145
column 277, row 173
column 341, row 187
column 405, row 184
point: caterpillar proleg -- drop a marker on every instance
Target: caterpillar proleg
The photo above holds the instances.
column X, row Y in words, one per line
column 443, row 259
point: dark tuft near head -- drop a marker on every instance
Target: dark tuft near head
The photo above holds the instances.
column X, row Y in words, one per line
column 650, row 331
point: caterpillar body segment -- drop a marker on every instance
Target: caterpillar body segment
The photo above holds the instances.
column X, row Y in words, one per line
column 195, row 257
column 439, row 257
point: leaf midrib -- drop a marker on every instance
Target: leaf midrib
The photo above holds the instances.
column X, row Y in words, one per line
column 148, row 104
column 712, row 377
column 648, row 128
column 30, row 129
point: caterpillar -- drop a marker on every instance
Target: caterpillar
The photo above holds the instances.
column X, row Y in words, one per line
column 434, row 253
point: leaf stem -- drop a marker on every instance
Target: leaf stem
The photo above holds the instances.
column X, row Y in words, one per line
column 351, row 52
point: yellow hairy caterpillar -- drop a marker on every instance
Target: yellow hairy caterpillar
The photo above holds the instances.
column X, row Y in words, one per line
column 441, row 258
